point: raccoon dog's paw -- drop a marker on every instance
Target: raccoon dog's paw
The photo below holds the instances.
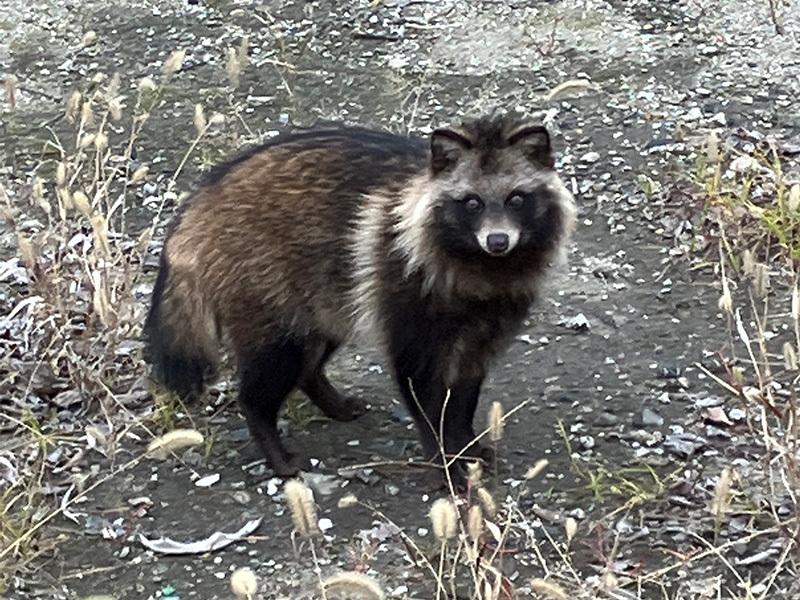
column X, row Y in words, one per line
column 483, row 453
column 343, row 408
column 290, row 466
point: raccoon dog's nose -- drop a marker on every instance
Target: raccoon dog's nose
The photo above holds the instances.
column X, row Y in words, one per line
column 497, row 243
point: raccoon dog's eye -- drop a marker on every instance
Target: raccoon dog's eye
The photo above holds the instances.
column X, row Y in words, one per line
column 472, row 203
column 515, row 200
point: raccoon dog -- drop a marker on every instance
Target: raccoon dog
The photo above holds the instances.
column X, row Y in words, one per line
column 290, row 248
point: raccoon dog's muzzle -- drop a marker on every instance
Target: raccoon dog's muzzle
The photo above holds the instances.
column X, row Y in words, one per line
column 498, row 237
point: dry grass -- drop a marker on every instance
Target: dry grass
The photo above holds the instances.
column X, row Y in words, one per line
column 72, row 336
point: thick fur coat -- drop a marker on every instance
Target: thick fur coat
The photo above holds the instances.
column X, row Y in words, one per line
column 289, row 249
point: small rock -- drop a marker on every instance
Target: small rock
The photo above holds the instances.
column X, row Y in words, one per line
column 719, row 118
column 650, row 418
column 694, row 114
column 590, row 157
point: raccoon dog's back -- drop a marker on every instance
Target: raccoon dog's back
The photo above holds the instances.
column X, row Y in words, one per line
column 264, row 246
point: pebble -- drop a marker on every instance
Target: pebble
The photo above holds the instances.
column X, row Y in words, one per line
column 590, row 157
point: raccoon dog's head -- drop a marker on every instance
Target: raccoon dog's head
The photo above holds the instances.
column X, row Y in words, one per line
column 495, row 193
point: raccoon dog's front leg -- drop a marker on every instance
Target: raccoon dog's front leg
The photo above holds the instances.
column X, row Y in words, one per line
column 443, row 413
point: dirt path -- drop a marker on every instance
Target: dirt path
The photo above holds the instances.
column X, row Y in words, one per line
column 627, row 390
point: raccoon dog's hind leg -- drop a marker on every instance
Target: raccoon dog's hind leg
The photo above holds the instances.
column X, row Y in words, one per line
column 267, row 376
column 315, row 384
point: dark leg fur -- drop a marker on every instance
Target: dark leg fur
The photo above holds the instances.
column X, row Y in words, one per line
column 418, row 366
column 426, row 396
column 320, row 390
column 267, row 377
column 421, row 338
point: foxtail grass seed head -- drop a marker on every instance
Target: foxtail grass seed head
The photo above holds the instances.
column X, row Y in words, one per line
column 174, row 440
column 721, row 501
column 216, row 119
column 794, row 199
column 789, row 357
column 761, row 280
column 496, row 422
column 87, row 139
column 74, row 106
column 571, row 528
column 115, row 109
column 146, row 85
column 244, row 583
column 712, row 148
column 139, row 174
column 39, row 195
column 737, row 375
column 352, row 584
column 748, row 263
column 200, row 122
column 571, row 87
column 65, row 202
column 38, row 188
column 475, row 522
column 173, row 62
column 100, row 141
column 548, row 589
column 233, row 67
column 11, row 90
column 26, row 252
column 487, row 501
column 474, row 473
column 609, row 580
column 82, row 204
column 100, row 233
column 725, row 302
column 242, row 51
column 302, row 507
column 87, row 114
column 347, row 501
column 89, row 39
column 112, row 91
column 61, row 175
column 537, row 468
column 444, row 519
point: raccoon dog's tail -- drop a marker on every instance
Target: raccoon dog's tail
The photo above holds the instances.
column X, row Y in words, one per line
column 180, row 336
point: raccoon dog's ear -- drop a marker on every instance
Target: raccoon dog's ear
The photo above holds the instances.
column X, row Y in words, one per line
column 447, row 146
column 534, row 141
